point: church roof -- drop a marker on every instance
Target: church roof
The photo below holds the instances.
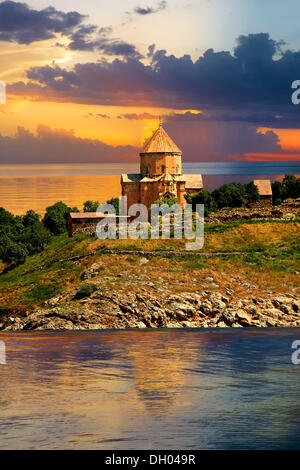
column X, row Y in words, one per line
column 131, row 177
column 193, row 181
column 166, row 176
column 160, row 142
column 264, row 187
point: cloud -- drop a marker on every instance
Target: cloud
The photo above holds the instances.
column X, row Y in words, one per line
column 138, row 117
column 235, row 141
column 97, row 115
column 221, row 141
column 250, row 82
column 22, row 24
column 149, row 10
column 59, row 145
column 87, row 38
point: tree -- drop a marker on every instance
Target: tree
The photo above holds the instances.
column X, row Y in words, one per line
column 55, row 218
column 289, row 183
column 288, row 188
column 90, row 206
column 202, row 197
column 114, row 201
column 14, row 253
column 30, row 218
column 170, row 201
column 278, row 191
column 230, row 195
column 252, row 193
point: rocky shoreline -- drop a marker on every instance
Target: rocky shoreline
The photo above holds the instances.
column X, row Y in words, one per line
column 145, row 309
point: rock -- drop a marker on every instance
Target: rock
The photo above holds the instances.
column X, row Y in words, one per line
column 230, row 292
column 143, row 261
column 53, row 302
column 141, row 324
column 296, row 305
column 84, row 275
column 271, row 322
column 244, row 317
column 272, row 312
column 221, row 324
column 206, row 307
column 281, row 300
column 188, row 324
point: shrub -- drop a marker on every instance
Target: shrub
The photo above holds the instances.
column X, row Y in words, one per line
column 14, row 253
column 289, row 187
column 85, row 291
column 114, row 201
column 21, row 236
column 231, row 195
column 167, row 200
column 90, row 206
column 252, row 193
column 43, row 292
column 55, row 218
column 202, row 197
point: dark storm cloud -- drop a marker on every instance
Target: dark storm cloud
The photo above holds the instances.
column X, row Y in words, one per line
column 198, row 143
column 118, row 47
column 86, row 39
column 149, row 10
column 221, row 141
column 56, row 145
column 22, row 24
column 254, row 81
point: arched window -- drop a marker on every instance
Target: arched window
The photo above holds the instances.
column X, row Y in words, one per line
column 162, row 169
column 177, row 169
column 147, row 170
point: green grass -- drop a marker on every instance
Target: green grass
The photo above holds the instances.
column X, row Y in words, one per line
column 45, row 275
column 224, row 227
column 43, row 292
column 42, row 276
column 84, row 291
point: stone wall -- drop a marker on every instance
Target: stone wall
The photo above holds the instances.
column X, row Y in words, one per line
column 154, row 163
column 286, row 210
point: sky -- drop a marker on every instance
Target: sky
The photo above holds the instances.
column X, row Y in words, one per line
column 88, row 81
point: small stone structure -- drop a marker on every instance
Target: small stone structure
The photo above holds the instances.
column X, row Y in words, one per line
column 87, row 221
column 265, row 191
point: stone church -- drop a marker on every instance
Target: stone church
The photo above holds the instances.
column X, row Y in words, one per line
column 160, row 173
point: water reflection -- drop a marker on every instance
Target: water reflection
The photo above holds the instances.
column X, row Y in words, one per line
column 149, row 389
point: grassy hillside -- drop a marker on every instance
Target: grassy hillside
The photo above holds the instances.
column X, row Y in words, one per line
column 270, row 258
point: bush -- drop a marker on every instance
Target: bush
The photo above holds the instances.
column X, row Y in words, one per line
column 42, row 292
column 167, row 200
column 231, row 195
column 252, row 194
column 202, row 197
column 90, row 206
column 289, row 187
column 114, row 201
column 14, row 253
column 21, row 236
column 85, row 291
column 55, row 218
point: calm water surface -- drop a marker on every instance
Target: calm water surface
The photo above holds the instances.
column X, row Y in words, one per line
column 160, row 389
column 24, row 187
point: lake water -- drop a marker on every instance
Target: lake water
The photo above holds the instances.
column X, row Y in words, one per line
column 154, row 389
column 24, row 187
